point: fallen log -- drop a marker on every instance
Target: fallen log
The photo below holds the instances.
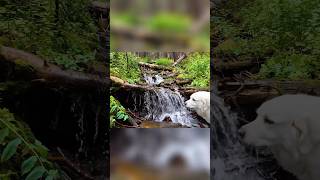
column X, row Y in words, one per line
column 255, row 92
column 181, row 58
column 45, row 72
column 154, row 66
column 117, row 82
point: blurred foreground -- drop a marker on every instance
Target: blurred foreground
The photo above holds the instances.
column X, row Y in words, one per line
column 160, row 154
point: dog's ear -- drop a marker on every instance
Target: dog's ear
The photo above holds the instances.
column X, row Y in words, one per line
column 302, row 132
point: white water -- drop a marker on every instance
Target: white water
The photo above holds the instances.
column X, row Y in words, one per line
column 163, row 103
column 153, row 80
column 230, row 159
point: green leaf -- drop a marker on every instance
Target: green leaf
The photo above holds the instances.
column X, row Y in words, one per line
column 52, row 174
column 121, row 116
column 41, row 149
column 113, row 109
column 28, row 164
column 10, row 149
column 36, row 173
column 3, row 134
column 125, row 117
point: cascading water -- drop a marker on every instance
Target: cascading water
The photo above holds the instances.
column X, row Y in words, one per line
column 153, row 80
column 230, row 159
column 164, row 104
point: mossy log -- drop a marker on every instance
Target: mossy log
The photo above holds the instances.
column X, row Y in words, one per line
column 45, row 72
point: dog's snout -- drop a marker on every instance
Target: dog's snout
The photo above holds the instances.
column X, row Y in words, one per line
column 242, row 132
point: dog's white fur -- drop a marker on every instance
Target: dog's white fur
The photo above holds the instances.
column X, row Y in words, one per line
column 200, row 102
column 290, row 126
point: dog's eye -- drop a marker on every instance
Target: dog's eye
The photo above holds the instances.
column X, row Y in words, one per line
column 193, row 99
column 268, row 121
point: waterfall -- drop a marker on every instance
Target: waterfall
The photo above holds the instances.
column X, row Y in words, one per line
column 163, row 104
column 230, row 159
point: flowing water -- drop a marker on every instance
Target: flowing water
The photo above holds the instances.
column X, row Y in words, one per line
column 163, row 104
column 230, row 159
column 153, row 80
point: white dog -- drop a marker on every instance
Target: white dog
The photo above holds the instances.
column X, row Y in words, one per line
column 200, row 102
column 290, row 125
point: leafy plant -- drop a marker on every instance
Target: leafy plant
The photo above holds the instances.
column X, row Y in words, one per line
column 117, row 111
column 18, row 146
column 164, row 61
column 291, row 66
column 125, row 66
column 197, row 68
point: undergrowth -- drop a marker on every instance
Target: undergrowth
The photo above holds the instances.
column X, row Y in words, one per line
column 60, row 31
column 284, row 33
column 197, row 68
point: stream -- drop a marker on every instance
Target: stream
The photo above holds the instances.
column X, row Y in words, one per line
column 230, row 158
column 164, row 104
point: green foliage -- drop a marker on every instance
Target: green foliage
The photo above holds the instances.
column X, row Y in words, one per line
column 284, row 32
column 63, row 33
column 125, row 66
column 164, row 61
column 291, row 66
column 169, row 22
column 18, row 146
column 117, row 112
column 197, row 68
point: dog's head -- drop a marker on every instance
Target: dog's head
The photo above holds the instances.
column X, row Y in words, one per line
column 199, row 100
column 284, row 121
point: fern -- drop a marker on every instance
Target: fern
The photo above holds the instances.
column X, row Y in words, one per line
column 15, row 142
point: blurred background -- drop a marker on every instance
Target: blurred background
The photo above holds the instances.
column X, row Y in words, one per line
column 160, row 154
column 160, row 25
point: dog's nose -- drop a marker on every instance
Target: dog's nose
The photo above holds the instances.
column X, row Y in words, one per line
column 242, row 132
